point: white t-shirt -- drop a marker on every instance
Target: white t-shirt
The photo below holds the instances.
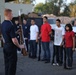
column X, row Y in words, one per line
column 33, row 32
column 59, row 32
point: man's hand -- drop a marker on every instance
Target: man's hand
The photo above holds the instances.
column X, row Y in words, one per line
column 73, row 49
column 61, row 44
column 22, row 46
column 40, row 35
column 37, row 40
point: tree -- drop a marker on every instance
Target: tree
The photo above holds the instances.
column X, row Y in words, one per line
column 72, row 7
column 50, row 7
column 47, row 8
column 57, row 5
column 66, row 11
column 53, row 7
column 39, row 8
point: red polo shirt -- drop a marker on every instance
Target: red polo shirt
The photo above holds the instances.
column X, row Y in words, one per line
column 69, row 39
column 45, row 30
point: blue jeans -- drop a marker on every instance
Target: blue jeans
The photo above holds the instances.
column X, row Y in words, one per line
column 46, row 49
column 69, row 56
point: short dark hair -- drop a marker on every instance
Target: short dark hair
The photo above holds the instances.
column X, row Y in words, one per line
column 58, row 20
column 33, row 20
column 70, row 27
column 25, row 19
column 45, row 17
column 16, row 20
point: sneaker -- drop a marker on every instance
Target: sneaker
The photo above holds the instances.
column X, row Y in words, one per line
column 69, row 68
column 60, row 64
column 53, row 64
column 57, row 64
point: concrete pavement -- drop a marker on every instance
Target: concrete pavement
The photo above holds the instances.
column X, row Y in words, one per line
column 27, row 66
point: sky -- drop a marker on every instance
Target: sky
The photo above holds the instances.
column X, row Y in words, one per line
column 39, row 1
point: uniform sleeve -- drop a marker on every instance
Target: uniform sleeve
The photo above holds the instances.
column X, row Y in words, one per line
column 49, row 28
column 63, row 31
column 37, row 30
column 12, row 32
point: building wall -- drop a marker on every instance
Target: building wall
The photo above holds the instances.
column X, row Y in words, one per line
column 25, row 8
column 2, row 7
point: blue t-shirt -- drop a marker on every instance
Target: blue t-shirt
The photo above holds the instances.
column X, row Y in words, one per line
column 8, row 31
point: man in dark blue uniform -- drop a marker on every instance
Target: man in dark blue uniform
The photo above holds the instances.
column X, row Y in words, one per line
column 26, row 31
column 17, row 28
column 11, row 43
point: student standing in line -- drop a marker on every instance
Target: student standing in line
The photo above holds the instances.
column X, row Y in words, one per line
column 58, row 46
column 45, row 38
column 34, row 31
column 26, row 31
column 69, row 45
column 17, row 28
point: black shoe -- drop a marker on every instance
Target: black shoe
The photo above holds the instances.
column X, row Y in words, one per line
column 38, row 58
column 30, row 56
column 52, row 62
column 65, row 67
column 60, row 64
column 68, row 68
column 33, row 57
column 47, row 61
column 43, row 60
